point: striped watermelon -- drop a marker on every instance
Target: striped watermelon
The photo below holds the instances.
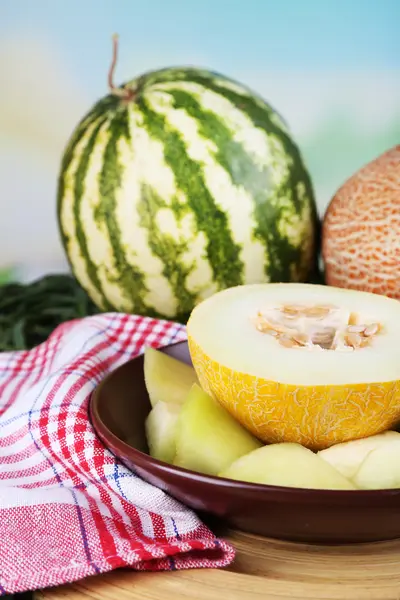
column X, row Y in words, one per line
column 179, row 184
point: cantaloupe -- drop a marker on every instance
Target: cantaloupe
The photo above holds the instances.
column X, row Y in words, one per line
column 361, row 229
column 208, row 438
column 287, row 464
column 302, row 363
column 167, row 379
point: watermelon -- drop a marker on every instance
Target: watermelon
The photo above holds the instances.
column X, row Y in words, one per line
column 179, row 184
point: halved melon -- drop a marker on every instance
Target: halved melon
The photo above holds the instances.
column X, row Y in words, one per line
column 303, row 363
column 167, row 379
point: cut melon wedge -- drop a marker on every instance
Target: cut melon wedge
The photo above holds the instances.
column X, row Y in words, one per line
column 289, row 465
column 302, row 363
column 167, row 379
column 348, row 457
column 380, row 469
column 208, row 438
column 161, row 428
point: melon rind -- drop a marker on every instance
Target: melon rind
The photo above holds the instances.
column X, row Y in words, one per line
column 361, row 229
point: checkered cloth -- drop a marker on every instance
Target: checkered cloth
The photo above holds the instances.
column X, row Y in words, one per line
column 68, row 508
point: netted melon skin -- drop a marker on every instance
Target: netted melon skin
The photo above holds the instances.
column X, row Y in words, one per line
column 315, row 416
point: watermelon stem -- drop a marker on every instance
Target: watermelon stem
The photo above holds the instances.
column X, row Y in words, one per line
column 122, row 92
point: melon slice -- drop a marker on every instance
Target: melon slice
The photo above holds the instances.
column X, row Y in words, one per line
column 380, row 469
column 161, row 428
column 208, row 438
column 302, row 363
column 167, row 379
column 349, row 456
column 289, row 465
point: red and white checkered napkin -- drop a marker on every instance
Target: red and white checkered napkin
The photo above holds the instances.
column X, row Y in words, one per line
column 68, row 508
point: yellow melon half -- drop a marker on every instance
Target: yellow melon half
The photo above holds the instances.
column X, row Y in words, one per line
column 337, row 382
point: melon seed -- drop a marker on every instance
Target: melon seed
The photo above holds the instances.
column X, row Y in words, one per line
column 318, row 312
column 355, row 335
column 301, row 339
column 356, row 328
column 353, row 339
column 287, row 341
column 365, row 341
column 292, row 309
column 371, row 329
column 353, row 318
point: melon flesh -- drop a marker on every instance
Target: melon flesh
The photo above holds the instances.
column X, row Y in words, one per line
column 167, row 379
column 348, row 457
column 310, row 395
column 289, row 465
column 380, row 469
column 208, row 438
column 161, row 428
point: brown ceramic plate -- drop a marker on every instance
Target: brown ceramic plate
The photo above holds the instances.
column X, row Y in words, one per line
column 118, row 410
